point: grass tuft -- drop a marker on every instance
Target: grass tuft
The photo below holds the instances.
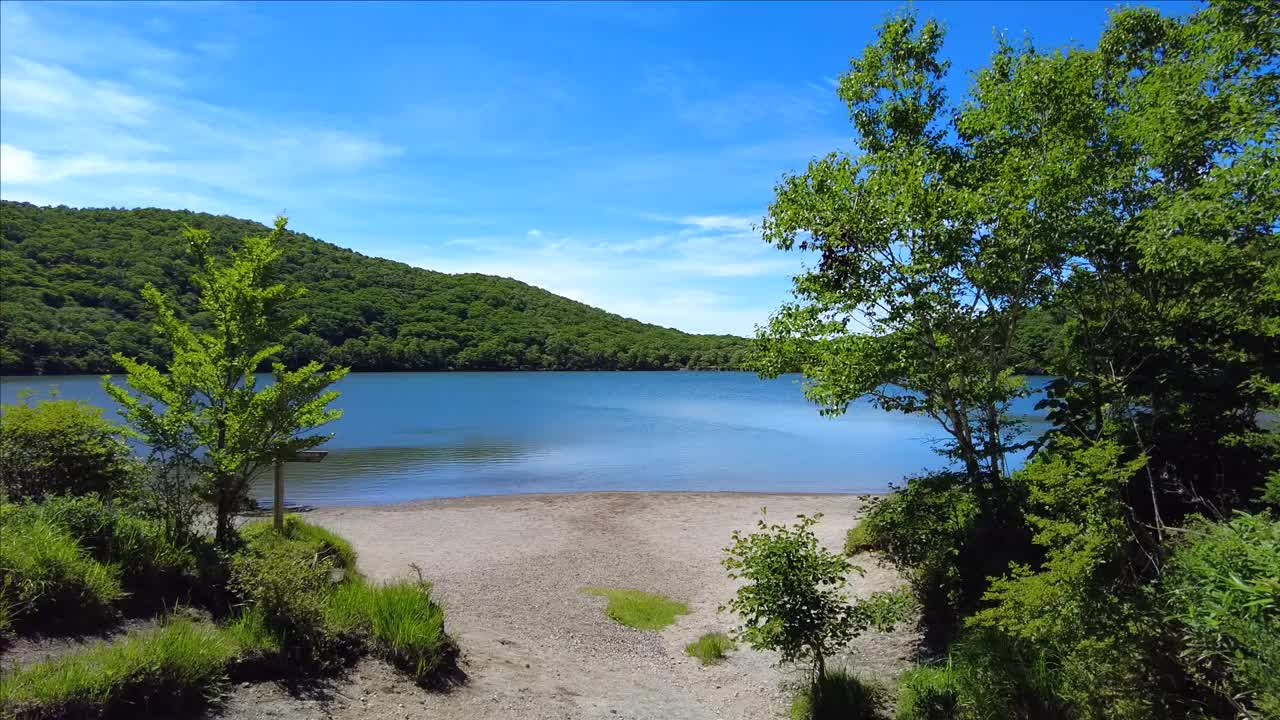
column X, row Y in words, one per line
column 928, row 693
column 638, row 609
column 403, row 625
column 710, row 648
column 46, row 577
column 165, row 670
column 840, row 695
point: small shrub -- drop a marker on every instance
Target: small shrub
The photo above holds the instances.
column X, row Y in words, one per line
column 46, row 577
column 169, row 669
column 638, row 609
column 62, row 447
column 928, row 693
column 839, row 695
column 710, row 648
column 289, row 583
column 858, row 540
column 792, row 596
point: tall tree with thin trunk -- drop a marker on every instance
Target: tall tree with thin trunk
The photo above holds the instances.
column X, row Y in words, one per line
column 210, row 407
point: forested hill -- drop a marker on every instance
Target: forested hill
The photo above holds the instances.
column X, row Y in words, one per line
column 70, row 282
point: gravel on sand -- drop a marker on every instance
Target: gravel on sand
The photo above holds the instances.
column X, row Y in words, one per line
column 509, row 569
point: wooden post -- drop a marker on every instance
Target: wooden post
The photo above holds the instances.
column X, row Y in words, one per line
column 278, row 510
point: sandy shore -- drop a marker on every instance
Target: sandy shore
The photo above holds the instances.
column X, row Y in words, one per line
column 509, row 570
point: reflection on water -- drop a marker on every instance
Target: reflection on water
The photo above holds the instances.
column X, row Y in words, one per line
column 405, row 436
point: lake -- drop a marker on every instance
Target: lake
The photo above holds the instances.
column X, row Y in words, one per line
column 406, row 436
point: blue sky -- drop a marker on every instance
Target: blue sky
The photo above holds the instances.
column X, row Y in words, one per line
column 614, row 153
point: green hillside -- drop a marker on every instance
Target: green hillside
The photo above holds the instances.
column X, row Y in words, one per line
column 70, row 282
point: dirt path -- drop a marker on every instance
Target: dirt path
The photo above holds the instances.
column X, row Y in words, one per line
column 509, row 570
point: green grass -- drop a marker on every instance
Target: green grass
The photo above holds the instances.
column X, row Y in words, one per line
column 325, row 542
column 403, row 625
column 928, row 692
column 841, row 695
column 710, row 648
column 168, row 669
column 858, row 540
column 639, row 609
column 46, row 577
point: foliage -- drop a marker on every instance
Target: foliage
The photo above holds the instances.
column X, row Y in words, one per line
column 170, row 669
column 1111, row 211
column 47, row 578
column 931, row 529
column 1078, row 606
column 858, row 540
column 287, row 582
column 322, row 542
column 921, row 279
column 928, row 692
column 839, row 695
column 151, row 565
column 792, row 598
column 208, row 410
column 1222, row 593
column 639, row 609
column 62, row 447
column 72, row 280
column 710, row 647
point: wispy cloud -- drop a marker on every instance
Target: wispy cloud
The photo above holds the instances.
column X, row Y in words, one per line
column 73, row 116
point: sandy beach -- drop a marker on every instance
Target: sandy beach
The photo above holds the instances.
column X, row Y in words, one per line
column 509, row 570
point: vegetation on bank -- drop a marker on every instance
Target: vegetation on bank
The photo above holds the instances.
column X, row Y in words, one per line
column 89, row 533
column 1129, row 569
column 72, row 280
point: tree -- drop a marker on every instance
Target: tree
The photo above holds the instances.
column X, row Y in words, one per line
column 792, row 600
column 923, row 272
column 209, row 408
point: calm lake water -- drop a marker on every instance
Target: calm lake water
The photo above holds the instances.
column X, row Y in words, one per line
column 406, row 436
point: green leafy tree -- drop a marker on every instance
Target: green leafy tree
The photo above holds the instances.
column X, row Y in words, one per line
column 210, row 408
column 923, row 272
column 792, row 597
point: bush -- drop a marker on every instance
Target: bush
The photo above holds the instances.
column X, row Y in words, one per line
column 931, row 529
column 638, row 609
column 791, row 598
column 169, row 669
column 839, row 695
column 928, row 693
column 62, row 447
column 1222, row 594
column 287, row 583
column 710, row 648
column 46, row 577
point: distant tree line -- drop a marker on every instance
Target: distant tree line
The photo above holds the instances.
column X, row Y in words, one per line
column 70, row 298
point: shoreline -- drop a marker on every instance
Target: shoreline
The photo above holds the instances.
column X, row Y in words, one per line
column 495, row 499
column 509, row 570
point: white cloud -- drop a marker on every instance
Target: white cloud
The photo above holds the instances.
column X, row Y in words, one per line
column 534, row 233
column 717, row 222
column 17, row 165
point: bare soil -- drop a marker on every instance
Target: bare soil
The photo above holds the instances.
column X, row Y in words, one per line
column 509, row 570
